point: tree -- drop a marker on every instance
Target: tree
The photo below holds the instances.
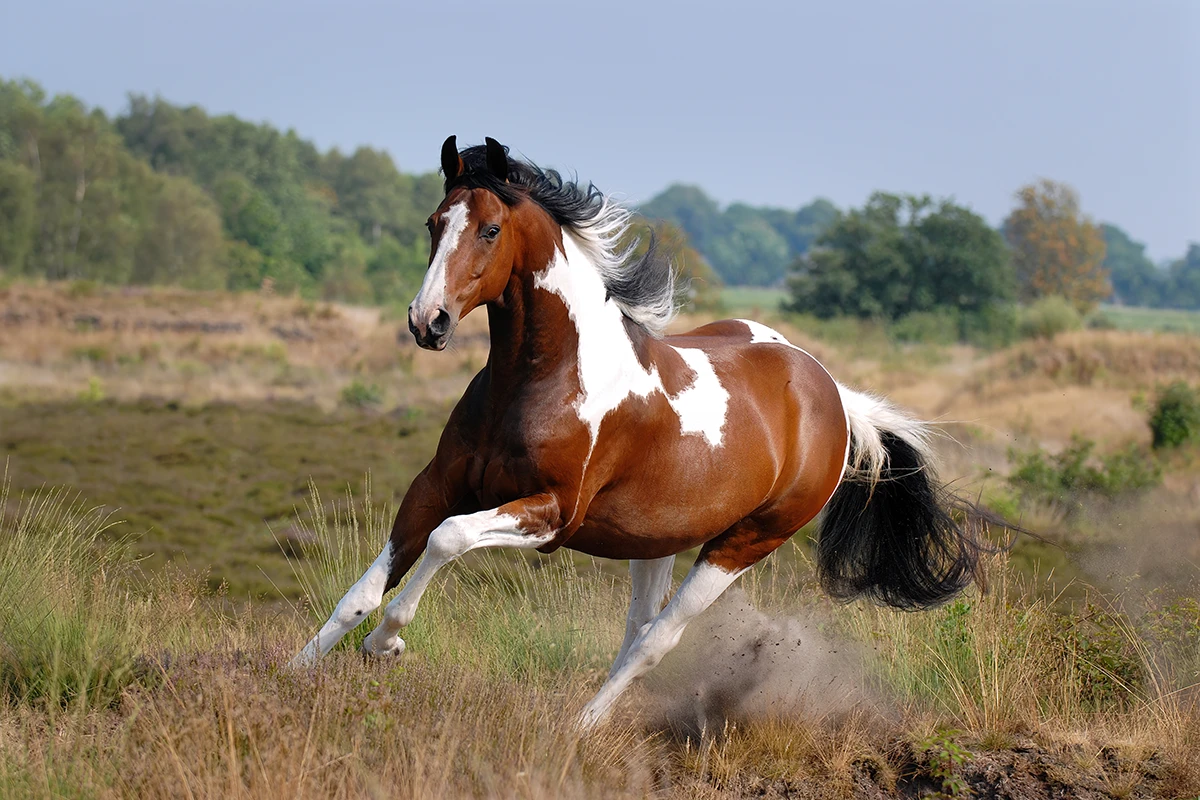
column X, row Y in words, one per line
column 17, row 218
column 1135, row 280
column 1056, row 250
column 746, row 245
column 1184, row 280
column 182, row 242
column 903, row 254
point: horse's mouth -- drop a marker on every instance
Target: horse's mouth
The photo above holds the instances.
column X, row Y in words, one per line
column 436, row 343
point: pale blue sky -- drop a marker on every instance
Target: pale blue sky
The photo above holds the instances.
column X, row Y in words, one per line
column 767, row 103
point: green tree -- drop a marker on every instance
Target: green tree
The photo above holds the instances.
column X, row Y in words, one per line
column 17, row 215
column 1135, row 279
column 182, row 242
column 899, row 255
column 1184, row 279
column 746, row 245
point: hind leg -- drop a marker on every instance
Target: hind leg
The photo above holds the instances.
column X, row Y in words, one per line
column 720, row 563
column 702, row 586
column 651, row 580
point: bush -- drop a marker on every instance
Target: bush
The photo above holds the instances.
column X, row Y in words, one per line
column 930, row 327
column 361, row 395
column 1176, row 416
column 1060, row 478
column 1049, row 316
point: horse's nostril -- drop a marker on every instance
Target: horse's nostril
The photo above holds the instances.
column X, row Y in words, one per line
column 440, row 323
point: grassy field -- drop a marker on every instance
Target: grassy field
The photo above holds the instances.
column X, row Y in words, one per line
column 1151, row 319
column 147, row 610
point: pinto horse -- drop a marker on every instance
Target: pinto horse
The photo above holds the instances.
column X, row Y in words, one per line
column 591, row 429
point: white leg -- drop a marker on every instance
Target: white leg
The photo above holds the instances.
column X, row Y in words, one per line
column 702, row 586
column 362, row 598
column 651, row 581
column 453, row 538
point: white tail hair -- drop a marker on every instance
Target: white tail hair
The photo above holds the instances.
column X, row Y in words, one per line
column 869, row 417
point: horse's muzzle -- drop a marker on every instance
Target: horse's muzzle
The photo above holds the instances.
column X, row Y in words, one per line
column 433, row 334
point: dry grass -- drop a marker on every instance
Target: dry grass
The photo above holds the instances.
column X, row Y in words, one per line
column 505, row 652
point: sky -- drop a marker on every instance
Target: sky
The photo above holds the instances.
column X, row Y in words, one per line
column 768, row 103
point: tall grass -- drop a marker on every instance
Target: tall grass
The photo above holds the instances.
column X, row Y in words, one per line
column 118, row 687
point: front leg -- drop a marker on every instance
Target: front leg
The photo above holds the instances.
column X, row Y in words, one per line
column 526, row 524
column 426, row 504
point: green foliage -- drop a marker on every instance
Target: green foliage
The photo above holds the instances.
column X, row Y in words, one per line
column 746, row 245
column 17, row 200
column 945, row 757
column 1176, row 416
column 1135, row 280
column 362, row 395
column 164, row 194
column 1049, row 316
column 1062, row 478
column 903, row 255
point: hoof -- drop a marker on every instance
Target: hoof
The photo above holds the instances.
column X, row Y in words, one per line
column 392, row 649
column 305, row 659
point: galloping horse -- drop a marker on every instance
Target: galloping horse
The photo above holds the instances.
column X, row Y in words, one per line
column 589, row 428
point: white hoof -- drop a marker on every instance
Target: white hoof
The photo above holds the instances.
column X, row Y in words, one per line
column 306, row 658
column 591, row 717
column 385, row 649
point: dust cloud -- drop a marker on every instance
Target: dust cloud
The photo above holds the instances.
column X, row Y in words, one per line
column 736, row 663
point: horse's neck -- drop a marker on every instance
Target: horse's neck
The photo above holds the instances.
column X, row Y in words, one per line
column 602, row 352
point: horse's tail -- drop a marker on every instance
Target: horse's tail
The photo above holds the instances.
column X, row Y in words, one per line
column 889, row 531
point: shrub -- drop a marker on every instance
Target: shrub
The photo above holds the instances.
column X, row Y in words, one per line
column 1061, row 477
column 1048, row 317
column 361, row 395
column 1176, row 416
column 931, row 327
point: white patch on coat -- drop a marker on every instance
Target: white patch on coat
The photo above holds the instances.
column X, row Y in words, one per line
column 702, row 406
column 609, row 369
column 432, row 295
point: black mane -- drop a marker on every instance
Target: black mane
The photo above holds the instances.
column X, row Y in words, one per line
column 643, row 285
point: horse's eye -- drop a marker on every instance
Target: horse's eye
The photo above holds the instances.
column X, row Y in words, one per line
column 491, row 232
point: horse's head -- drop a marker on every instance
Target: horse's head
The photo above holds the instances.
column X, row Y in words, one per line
column 472, row 248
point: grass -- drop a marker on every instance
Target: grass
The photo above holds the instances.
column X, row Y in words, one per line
column 207, row 485
column 1168, row 320
column 173, row 693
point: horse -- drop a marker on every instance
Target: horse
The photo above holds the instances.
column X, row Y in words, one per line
column 590, row 428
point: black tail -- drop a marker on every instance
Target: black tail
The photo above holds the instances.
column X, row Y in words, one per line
column 896, row 539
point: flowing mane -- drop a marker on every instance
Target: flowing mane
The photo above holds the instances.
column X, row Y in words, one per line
column 642, row 285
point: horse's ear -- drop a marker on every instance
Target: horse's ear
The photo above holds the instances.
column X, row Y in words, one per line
column 497, row 158
column 452, row 165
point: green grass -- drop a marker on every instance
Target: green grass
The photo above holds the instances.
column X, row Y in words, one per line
column 1170, row 320
column 210, row 485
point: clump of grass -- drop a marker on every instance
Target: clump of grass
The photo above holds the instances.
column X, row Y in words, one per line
column 69, row 629
column 362, row 395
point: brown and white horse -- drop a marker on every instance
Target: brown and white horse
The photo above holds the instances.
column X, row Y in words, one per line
column 589, row 428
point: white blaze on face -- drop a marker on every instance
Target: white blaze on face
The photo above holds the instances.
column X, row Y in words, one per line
column 433, row 290
column 609, row 369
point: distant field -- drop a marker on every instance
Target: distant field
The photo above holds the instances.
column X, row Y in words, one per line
column 748, row 298
column 1152, row 319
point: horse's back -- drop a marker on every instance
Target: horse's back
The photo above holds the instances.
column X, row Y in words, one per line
column 753, row 426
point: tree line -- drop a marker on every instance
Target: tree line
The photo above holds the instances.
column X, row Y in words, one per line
column 170, row 194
